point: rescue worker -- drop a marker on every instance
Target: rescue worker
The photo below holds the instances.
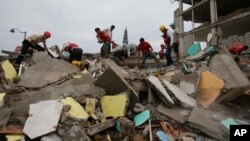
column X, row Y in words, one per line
column 168, row 40
column 105, row 37
column 146, row 50
column 236, row 50
column 33, row 42
column 75, row 54
column 175, row 41
column 120, row 57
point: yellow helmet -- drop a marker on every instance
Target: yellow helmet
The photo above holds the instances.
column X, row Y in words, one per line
column 162, row 27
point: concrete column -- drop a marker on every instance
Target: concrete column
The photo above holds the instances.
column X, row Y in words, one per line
column 181, row 45
column 214, row 18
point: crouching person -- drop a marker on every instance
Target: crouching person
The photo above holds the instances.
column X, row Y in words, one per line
column 33, row 42
column 120, row 57
column 75, row 54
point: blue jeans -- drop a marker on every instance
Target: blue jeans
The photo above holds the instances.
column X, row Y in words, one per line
column 147, row 55
column 168, row 56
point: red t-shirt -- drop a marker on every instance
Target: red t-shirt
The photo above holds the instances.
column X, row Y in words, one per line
column 104, row 36
column 166, row 38
column 236, row 48
column 144, row 47
column 70, row 47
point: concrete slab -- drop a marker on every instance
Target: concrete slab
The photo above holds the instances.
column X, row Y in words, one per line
column 8, row 70
column 43, row 119
column 4, row 116
column 162, row 93
column 188, row 83
column 205, row 122
column 114, row 106
column 181, row 96
column 115, row 83
column 70, row 87
column 46, row 71
column 226, row 68
column 175, row 113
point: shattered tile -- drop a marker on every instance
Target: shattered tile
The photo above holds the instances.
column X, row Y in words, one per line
column 43, row 118
column 9, row 71
column 114, row 106
column 90, row 105
column 141, row 118
column 14, row 137
column 76, row 110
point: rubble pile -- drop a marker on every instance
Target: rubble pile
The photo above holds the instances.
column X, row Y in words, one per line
column 52, row 100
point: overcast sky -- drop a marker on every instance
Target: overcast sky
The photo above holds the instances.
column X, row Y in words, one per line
column 75, row 20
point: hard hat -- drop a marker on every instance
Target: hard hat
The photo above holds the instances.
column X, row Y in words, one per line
column 47, row 34
column 172, row 24
column 162, row 27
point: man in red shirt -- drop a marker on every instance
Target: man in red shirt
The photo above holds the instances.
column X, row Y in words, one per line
column 146, row 50
column 236, row 50
column 105, row 37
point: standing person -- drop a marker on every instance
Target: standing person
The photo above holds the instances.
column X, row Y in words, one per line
column 175, row 41
column 168, row 40
column 33, row 42
column 146, row 50
column 75, row 52
column 105, row 37
column 120, row 57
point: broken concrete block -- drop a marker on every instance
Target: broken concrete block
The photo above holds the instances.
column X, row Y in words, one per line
column 54, row 51
column 127, row 127
column 188, row 83
column 116, row 77
column 203, row 120
column 2, row 95
column 90, row 105
column 46, row 71
column 210, row 86
column 141, row 118
column 114, row 106
column 76, row 133
column 92, row 130
column 4, row 116
column 43, row 118
column 9, row 71
column 185, row 100
column 76, row 110
column 176, row 113
column 226, row 68
column 163, row 94
column 138, row 107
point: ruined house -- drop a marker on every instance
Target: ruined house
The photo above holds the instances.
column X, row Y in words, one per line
column 220, row 17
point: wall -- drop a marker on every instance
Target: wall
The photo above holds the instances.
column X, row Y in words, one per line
column 245, row 39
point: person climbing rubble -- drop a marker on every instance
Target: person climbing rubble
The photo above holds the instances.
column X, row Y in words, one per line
column 33, row 42
column 105, row 37
column 75, row 54
column 168, row 40
column 145, row 50
column 120, row 57
column 236, row 50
